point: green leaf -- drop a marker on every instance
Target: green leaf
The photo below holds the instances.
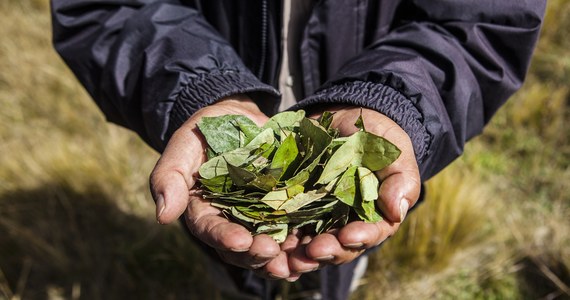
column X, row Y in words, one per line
column 293, row 190
column 360, row 149
column 220, row 184
column 246, row 221
column 240, row 176
column 254, row 215
column 368, row 213
column 379, row 153
column 277, row 231
column 238, row 157
column 312, row 132
column 326, row 119
column 264, row 182
column 302, row 176
column 338, row 218
column 284, row 120
column 292, row 173
column 275, row 198
column 346, row 188
column 369, row 184
column 249, row 129
column 311, row 213
column 286, row 154
column 217, row 166
column 301, row 200
column 360, row 122
column 264, row 137
column 226, row 133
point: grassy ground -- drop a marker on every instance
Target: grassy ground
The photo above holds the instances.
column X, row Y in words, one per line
column 76, row 220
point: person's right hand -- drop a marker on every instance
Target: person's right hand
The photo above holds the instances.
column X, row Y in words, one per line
column 172, row 182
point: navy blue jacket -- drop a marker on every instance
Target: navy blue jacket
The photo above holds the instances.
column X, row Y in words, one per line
column 440, row 69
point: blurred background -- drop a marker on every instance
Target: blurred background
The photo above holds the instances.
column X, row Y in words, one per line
column 77, row 220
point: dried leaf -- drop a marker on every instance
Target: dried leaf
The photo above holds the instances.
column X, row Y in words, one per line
column 294, row 172
column 275, row 198
column 312, row 133
column 237, row 157
column 226, row 133
column 219, row 184
column 301, row 200
column 368, row 213
column 346, row 188
column 326, row 119
column 368, row 184
column 285, row 156
column 285, row 120
column 277, row 231
column 360, row 149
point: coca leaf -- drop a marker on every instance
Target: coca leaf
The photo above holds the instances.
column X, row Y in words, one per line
column 346, row 188
column 226, row 133
column 360, row 149
column 368, row 184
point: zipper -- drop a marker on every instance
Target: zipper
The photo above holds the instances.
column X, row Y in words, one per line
column 264, row 25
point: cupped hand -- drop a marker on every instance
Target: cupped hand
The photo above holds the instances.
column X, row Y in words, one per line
column 172, row 182
column 399, row 190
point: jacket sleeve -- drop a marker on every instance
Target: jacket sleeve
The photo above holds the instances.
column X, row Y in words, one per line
column 149, row 65
column 441, row 72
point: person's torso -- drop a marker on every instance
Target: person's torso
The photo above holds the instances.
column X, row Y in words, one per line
column 328, row 35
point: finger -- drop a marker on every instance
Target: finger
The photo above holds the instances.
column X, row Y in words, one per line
column 359, row 235
column 398, row 192
column 294, row 247
column 170, row 191
column 174, row 174
column 400, row 181
column 262, row 251
column 326, row 248
column 240, row 259
column 292, row 241
column 299, row 262
column 205, row 222
column 277, row 268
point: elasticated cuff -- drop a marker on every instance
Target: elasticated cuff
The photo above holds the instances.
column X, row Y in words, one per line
column 209, row 88
column 381, row 98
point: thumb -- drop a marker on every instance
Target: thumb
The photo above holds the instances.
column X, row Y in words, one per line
column 400, row 181
column 174, row 174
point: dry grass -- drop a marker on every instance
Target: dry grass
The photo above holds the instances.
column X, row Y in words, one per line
column 75, row 213
column 76, row 219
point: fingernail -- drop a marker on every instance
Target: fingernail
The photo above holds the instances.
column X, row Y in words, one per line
column 159, row 207
column 239, row 250
column 309, row 270
column 275, row 276
column 259, row 265
column 263, row 257
column 354, row 245
column 324, row 258
column 292, row 279
column 403, row 209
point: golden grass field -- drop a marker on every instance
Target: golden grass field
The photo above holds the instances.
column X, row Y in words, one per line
column 77, row 220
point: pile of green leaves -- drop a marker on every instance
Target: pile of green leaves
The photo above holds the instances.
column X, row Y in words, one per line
column 294, row 172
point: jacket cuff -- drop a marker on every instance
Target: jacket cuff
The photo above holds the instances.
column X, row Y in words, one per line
column 206, row 89
column 381, row 98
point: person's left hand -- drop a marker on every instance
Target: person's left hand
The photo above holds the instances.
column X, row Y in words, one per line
column 399, row 190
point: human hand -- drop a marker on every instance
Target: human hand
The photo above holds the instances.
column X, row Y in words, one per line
column 399, row 190
column 172, row 182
